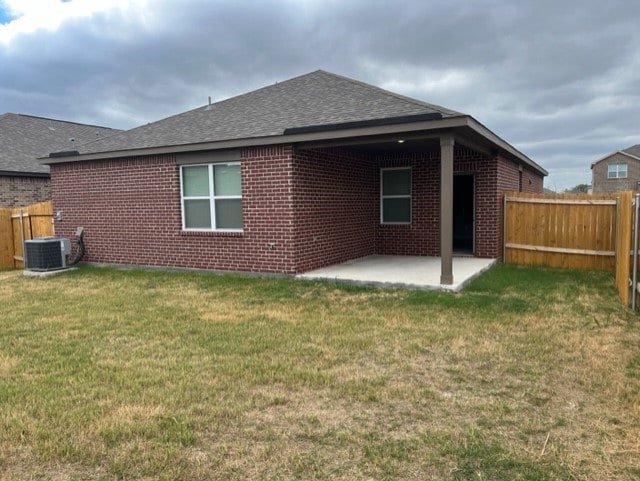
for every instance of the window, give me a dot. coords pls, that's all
(395, 196)
(617, 171)
(211, 197)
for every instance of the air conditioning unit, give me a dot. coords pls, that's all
(47, 253)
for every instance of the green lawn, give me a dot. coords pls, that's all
(105, 374)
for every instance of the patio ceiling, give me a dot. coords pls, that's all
(409, 142)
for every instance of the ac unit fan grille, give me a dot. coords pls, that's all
(44, 255)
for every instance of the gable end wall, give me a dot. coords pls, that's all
(601, 184)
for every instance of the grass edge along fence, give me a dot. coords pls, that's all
(576, 231)
(20, 224)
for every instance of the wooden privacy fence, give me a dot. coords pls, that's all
(580, 231)
(20, 224)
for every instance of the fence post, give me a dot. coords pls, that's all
(634, 277)
(504, 228)
(24, 251)
(623, 245)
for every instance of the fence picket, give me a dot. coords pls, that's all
(36, 223)
(6, 239)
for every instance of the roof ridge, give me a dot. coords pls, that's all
(264, 87)
(198, 108)
(631, 147)
(101, 138)
(626, 152)
(412, 100)
(314, 98)
(58, 120)
(227, 99)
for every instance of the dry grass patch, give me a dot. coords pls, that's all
(7, 364)
(530, 374)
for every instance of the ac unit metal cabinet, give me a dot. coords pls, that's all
(47, 253)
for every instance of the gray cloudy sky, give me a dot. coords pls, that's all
(560, 80)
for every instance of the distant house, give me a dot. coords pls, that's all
(23, 139)
(305, 173)
(617, 171)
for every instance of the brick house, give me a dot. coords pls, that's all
(308, 172)
(23, 139)
(617, 171)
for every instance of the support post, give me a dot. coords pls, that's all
(446, 209)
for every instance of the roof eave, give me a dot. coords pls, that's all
(15, 173)
(612, 154)
(504, 145)
(454, 122)
(449, 122)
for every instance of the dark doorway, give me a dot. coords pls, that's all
(463, 214)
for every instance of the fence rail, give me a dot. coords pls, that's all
(20, 224)
(572, 231)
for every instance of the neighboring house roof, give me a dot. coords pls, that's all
(315, 106)
(632, 152)
(25, 138)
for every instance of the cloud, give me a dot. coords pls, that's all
(32, 16)
(559, 81)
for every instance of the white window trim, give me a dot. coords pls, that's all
(211, 198)
(617, 171)
(409, 196)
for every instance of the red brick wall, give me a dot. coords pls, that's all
(301, 209)
(335, 200)
(492, 178)
(532, 182)
(130, 209)
(267, 189)
(484, 171)
(21, 191)
(422, 237)
(506, 178)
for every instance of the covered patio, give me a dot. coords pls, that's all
(414, 272)
(394, 204)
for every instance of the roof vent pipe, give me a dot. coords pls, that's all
(208, 107)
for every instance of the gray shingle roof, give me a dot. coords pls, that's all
(317, 98)
(24, 138)
(633, 150)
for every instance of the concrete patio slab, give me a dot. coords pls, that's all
(414, 272)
